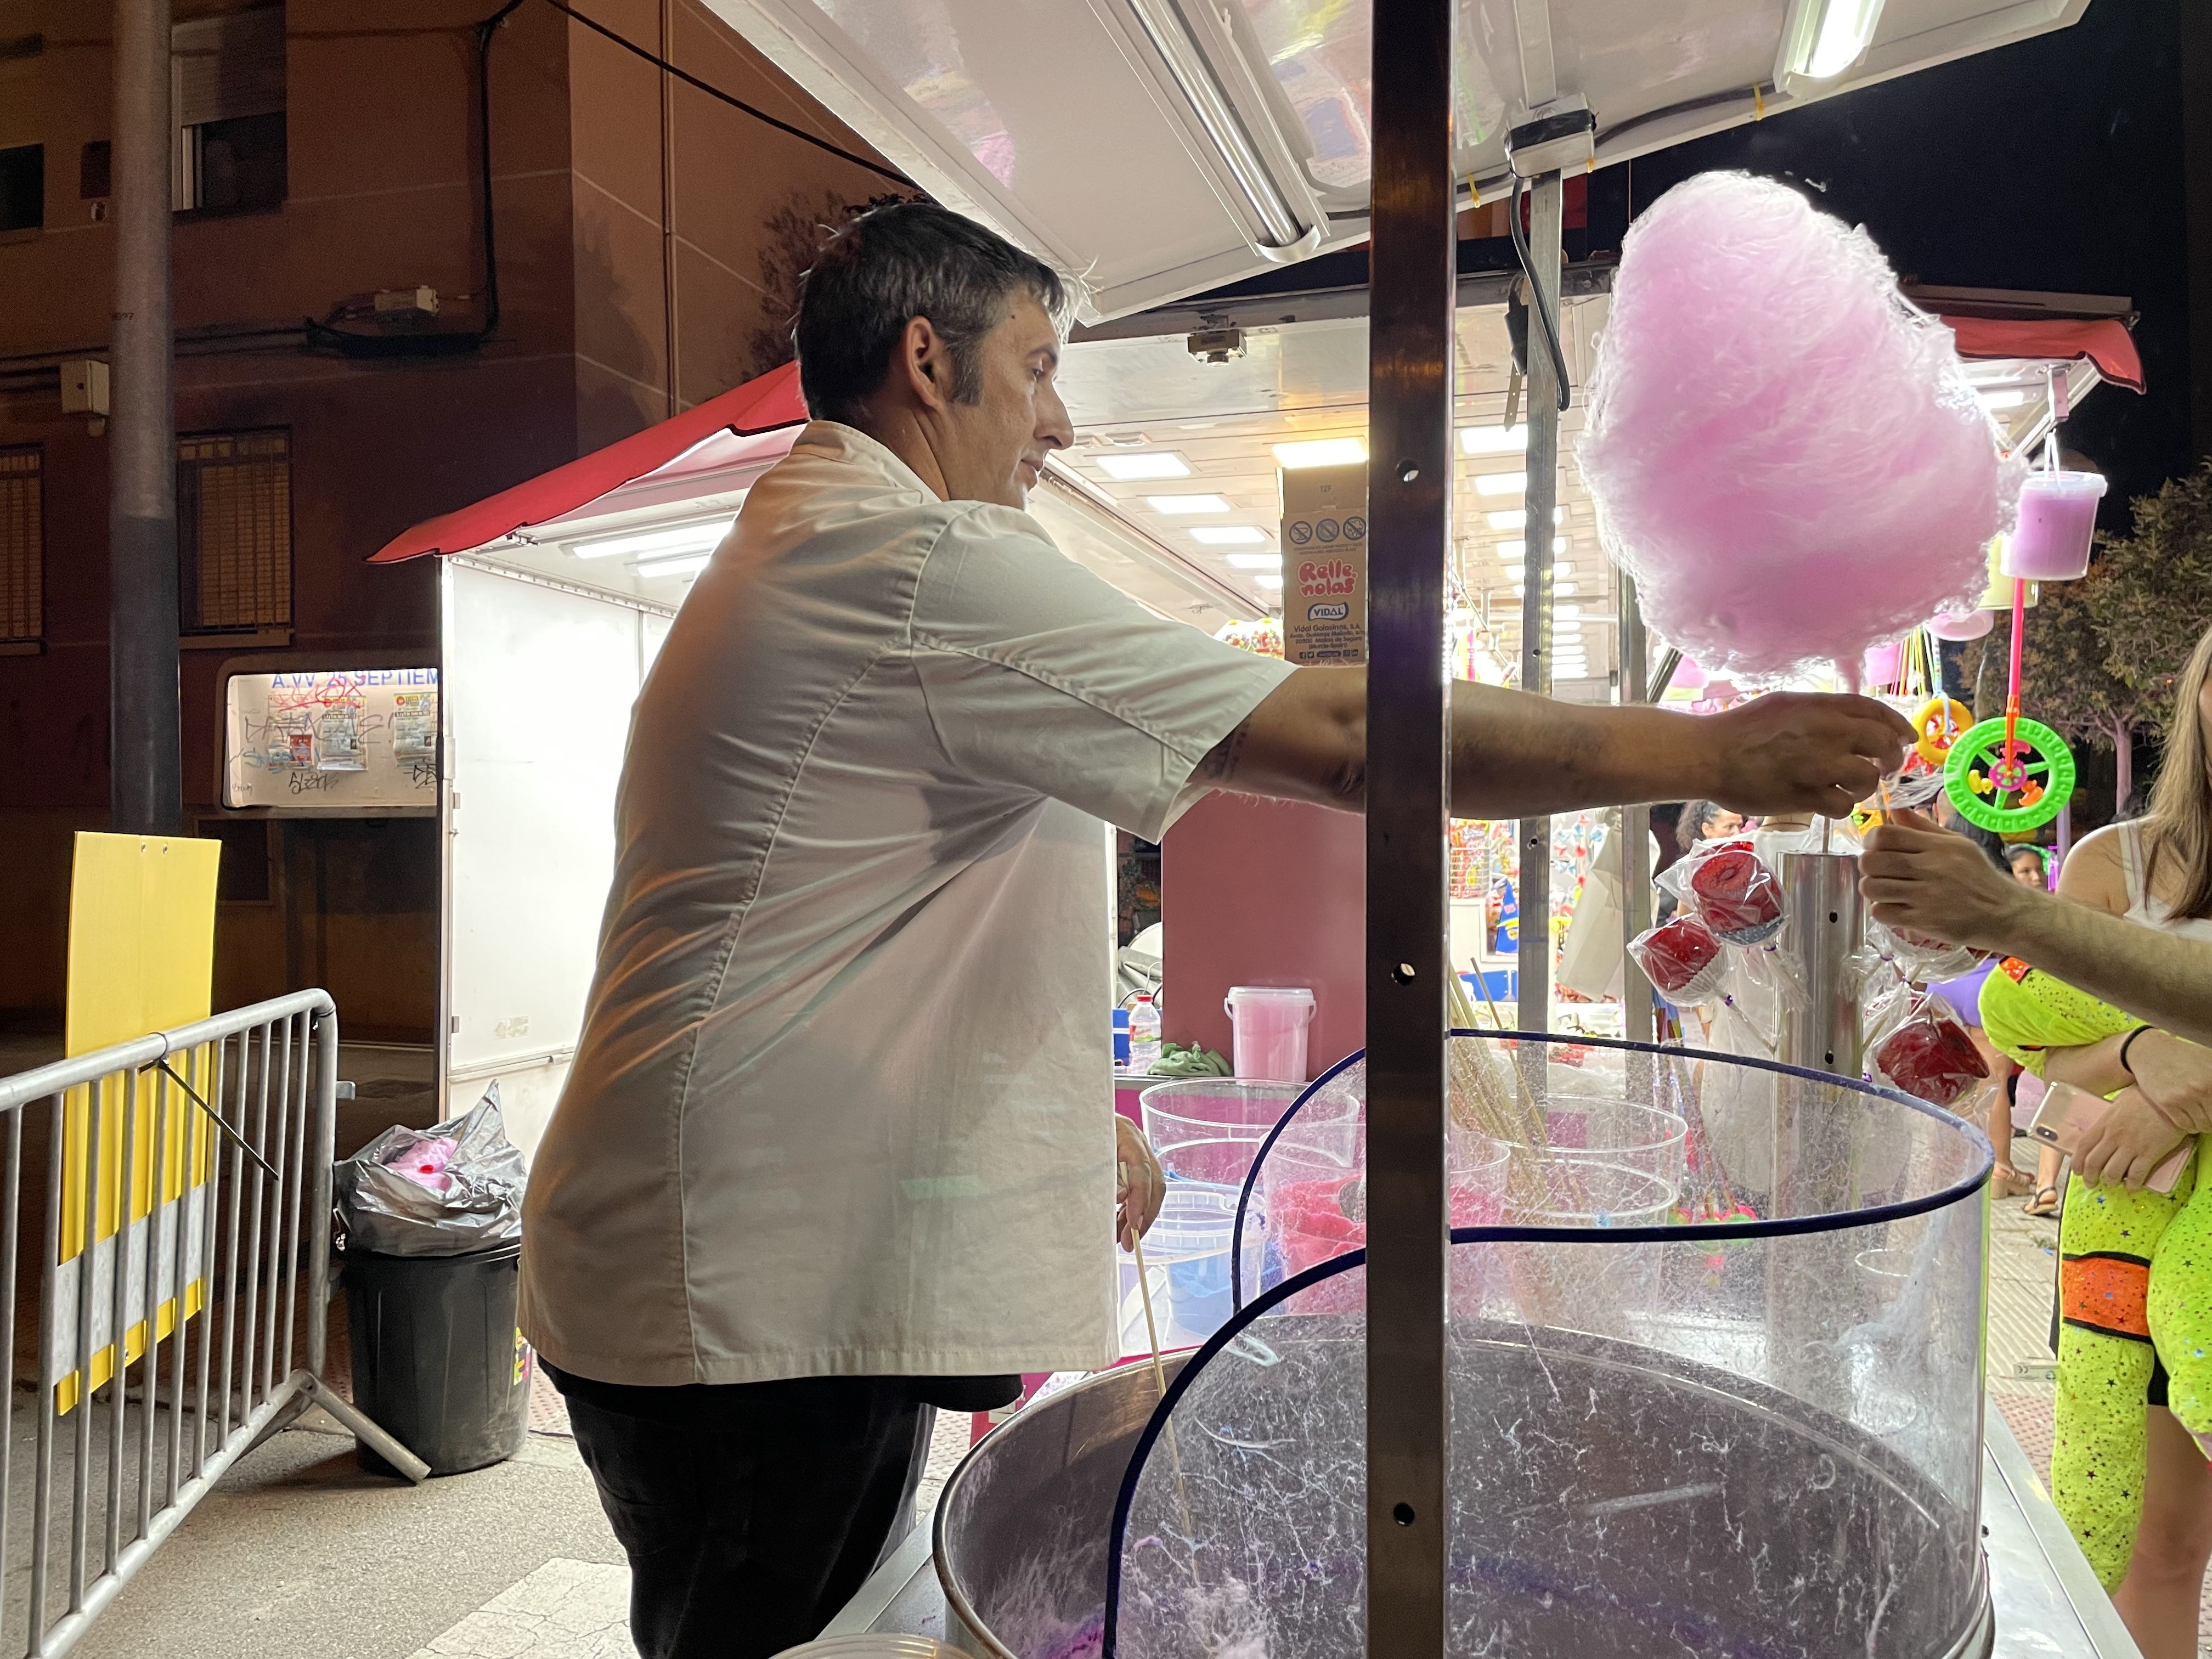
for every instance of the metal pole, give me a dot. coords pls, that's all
(1821, 896)
(1635, 835)
(1534, 1012)
(1410, 353)
(145, 765)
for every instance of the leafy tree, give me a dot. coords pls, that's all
(2152, 594)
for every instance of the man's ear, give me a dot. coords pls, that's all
(924, 363)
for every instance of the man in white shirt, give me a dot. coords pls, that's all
(838, 1145)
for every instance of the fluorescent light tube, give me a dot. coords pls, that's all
(1145, 463)
(1493, 440)
(1254, 561)
(1229, 535)
(1178, 505)
(1500, 483)
(1320, 451)
(663, 541)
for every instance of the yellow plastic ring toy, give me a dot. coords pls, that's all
(1941, 720)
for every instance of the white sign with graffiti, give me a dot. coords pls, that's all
(348, 740)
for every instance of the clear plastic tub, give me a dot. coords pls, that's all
(2057, 522)
(1206, 1129)
(1754, 1434)
(1188, 1257)
(1269, 1025)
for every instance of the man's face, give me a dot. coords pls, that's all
(994, 448)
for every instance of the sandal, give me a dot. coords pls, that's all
(2038, 1205)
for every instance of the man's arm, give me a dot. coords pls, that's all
(1515, 755)
(1920, 878)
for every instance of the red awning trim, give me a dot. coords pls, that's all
(698, 440)
(2104, 341)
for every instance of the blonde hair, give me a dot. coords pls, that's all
(2178, 824)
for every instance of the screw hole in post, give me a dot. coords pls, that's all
(1408, 472)
(1403, 1515)
(1403, 973)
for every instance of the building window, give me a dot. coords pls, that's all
(227, 95)
(23, 187)
(234, 531)
(22, 547)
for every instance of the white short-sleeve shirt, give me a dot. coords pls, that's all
(842, 1105)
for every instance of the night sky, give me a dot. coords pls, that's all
(2056, 164)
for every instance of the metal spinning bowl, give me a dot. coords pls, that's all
(1823, 1542)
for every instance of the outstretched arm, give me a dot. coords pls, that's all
(1918, 877)
(1514, 754)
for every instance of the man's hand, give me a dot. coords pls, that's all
(1142, 1189)
(1929, 881)
(2176, 1078)
(2129, 1142)
(1796, 751)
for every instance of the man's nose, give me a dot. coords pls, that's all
(1055, 428)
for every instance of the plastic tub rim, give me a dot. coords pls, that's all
(1244, 1317)
(1827, 1221)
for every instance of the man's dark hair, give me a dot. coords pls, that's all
(891, 265)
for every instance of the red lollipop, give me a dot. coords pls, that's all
(1682, 959)
(1737, 895)
(1930, 1056)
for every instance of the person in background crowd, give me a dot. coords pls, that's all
(1706, 820)
(2028, 868)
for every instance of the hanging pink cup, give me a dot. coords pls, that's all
(2057, 520)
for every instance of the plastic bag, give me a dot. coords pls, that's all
(1728, 887)
(451, 1189)
(1689, 967)
(1888, 953)
(1917, 1043)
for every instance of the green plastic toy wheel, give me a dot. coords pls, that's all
(2025, 795)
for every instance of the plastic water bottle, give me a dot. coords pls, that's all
(1143, 1034)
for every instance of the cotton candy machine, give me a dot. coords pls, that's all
(1742, 1424)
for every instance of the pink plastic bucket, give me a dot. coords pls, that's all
(2057, 518)
(1269, 1025)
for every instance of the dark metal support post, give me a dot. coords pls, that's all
(1636, 1008)
(145, 762)
(1409, 509)
(1542, 497)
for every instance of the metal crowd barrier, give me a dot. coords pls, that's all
(201, 1158)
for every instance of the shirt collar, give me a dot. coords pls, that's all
(833, 440)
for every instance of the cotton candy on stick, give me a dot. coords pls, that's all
(1782, 451)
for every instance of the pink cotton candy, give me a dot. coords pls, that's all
(1782, 452)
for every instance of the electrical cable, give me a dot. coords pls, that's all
(1545, 319)
(689, 80)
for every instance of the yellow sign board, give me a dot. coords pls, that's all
(141, 960)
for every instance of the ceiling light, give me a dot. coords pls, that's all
(1821, 38)
(1179, 505)
(699, 536)
(1500, 483)
(1146, 464)
(1321, 452)
(2002, 397)
(1229, 535)
(1269, 579)
(1492, 440)
(1520, 549)
(690, 566)
(1254, 561)
(1569, 612)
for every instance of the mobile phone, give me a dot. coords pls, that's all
(2068, 1114)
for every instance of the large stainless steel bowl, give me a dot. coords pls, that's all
(1022, 1530)
(1022, 1527)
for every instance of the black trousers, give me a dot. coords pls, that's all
(750, 1512)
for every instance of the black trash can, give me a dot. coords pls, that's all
(437, 1357)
